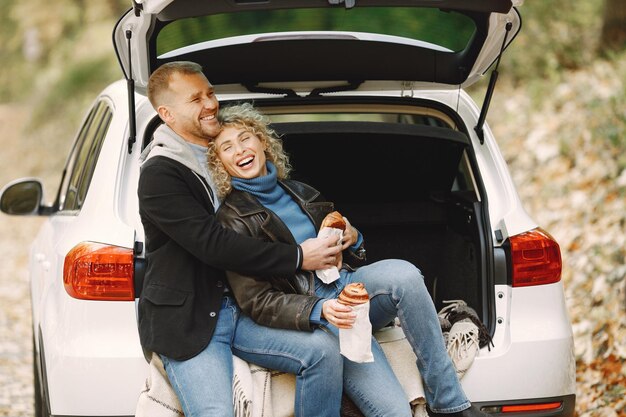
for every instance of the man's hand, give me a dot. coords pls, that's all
(337, 314)
(350, 235)
(320, 253)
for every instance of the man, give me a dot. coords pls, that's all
(184, 315)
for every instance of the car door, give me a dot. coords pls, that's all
(46, 263)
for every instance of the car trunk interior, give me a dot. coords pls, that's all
(408, 189)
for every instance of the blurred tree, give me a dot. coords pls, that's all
(613, 35)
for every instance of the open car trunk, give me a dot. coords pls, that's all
(406, 180)
(410, 190)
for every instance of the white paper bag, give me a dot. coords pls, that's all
(331, 274)
(356, 343)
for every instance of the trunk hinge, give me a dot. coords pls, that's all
(130, 84)
(492, 85)
(349, 3)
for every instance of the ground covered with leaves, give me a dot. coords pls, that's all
(565, 148)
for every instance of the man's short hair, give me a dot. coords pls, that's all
(160, 79)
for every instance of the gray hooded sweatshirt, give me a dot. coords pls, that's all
(168, 143)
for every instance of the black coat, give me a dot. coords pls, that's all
(186, 252)
(275, 302)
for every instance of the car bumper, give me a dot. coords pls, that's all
(533, 352)
(563, 406)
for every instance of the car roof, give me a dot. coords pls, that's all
(280, 54)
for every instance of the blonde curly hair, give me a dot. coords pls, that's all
(247, 117)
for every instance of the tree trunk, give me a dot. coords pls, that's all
(613, 37)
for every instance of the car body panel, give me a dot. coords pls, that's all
(82, 339)
(532, 332)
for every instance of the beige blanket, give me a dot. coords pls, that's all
(259, 392)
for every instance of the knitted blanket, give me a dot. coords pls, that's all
(260, 392)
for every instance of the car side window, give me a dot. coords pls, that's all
(83, 157)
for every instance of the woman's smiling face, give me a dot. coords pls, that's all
(241, 152)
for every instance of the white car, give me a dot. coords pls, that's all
(412, 163)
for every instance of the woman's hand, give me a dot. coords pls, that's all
(337, 314)
(350, 235)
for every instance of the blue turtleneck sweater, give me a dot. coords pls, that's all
(275, 198)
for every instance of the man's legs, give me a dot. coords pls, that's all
(204, 383)
(312, 356)
(396, 288)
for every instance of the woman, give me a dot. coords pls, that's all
(250, 169)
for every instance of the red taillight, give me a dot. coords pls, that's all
(94, 271)
(535, 259)
(531, 407)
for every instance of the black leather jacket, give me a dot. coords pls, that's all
(275, 302)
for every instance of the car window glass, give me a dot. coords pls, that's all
(71, 160)
(465, 180)
(413, 161)
(450, 30)
(81, 163)
(92, 157)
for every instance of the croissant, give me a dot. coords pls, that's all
(334, 220)
(354, 294)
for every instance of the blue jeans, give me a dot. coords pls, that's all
(397, 289)
(321, 371)
(204, 383)
(313, 357)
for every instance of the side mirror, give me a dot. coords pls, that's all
(22, 197)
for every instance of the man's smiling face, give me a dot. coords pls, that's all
(191, 108)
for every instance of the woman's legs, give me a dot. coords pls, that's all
(204, 383)
(312, 356)
(372, 386)
(397, 288)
